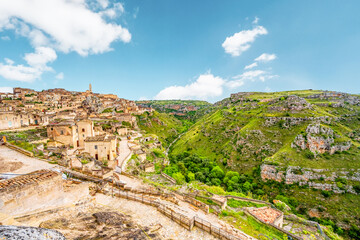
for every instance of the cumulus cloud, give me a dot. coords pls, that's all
(265, 57)
(68, 25)
(103, 3)
(115, 11)
(253, 75)
(241, 41)
(41, 57)
(6, 89)
(251, 66)
(59, 25)
(209, 86)
(206, 86)
(37, 65)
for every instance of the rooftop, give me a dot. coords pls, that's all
(30, 178)
(266, 214)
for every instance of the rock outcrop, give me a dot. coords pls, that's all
(320, 139)
(323, 179)
(20, 233)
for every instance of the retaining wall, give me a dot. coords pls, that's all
(19, 149)
(274, 226)
(168, 178)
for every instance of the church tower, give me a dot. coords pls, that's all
(90, 89)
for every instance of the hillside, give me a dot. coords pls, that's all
(189, 110)
(308, 141)
(166, 127)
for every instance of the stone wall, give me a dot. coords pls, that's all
(43, 189)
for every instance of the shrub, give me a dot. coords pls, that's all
(179, 178)
(326, 193)
(309, 154)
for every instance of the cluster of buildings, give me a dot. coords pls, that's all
(83, 121)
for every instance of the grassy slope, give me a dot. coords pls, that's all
(165, 126)
(215, 135)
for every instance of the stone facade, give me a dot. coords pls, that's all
(101, 147)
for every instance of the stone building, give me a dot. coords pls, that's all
(101, 147)
(12, 120)
(85, 129)
(64, 132)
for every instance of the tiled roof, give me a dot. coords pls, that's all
(31, 178)
(267, 214)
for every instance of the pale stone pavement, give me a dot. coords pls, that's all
(30, 164)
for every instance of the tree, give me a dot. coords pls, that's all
(246, 186)
(190, 177)
(180, 179)
(217, 172)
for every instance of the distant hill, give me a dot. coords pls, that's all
(182, 109)
(306, 142)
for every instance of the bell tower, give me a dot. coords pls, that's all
(90, 88)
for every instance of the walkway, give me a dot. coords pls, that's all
(124, 152)
(12, 161)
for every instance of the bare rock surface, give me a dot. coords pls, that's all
(29, 233)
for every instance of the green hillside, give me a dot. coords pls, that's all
(239, 131)
(163, 125)
(302, 145)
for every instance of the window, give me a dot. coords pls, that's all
(95, 146)
(61, 132)
(83, 130)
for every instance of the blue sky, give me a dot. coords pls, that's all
(167, 49)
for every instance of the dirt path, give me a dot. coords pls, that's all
(15, 162)
(148, 216)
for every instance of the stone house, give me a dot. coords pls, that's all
(85, 129)
(122, 131)
(11, 120)
(101, 147)
(63, 132)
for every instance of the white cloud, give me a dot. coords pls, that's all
(251, 66)
(65, 25)
(41, 57)
(9, 61)
(253, 75)
(241, 41)
(60, 76)
(205, 86)
(37, 65)
(115, 11)
(265, 57)
(6, 89)
(103, 3)
(19, 72)
(256, 20)
(58, 25)
(5, 38)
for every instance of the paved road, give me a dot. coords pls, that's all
(124, 151)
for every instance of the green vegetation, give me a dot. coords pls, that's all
(225, 145)
(165, 126)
